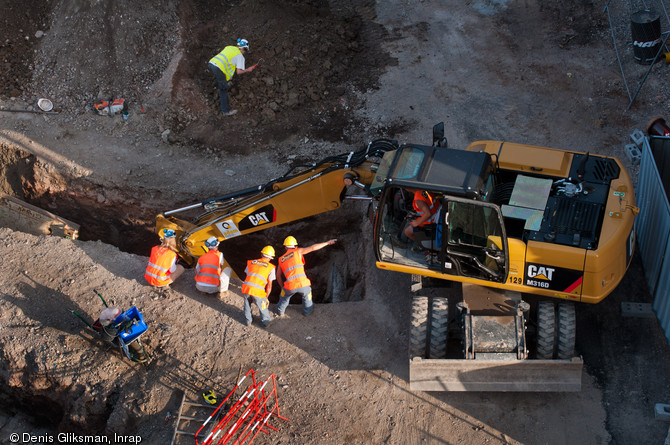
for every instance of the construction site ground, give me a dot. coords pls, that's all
(334, 75)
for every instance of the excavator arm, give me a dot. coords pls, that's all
(305, 190)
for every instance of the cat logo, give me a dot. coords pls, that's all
(540, 272)
(264, 215)
(258, 218)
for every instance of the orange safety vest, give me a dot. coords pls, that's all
(258, 272)
(293, 266)
(210, 268)
(158, 269)
(433, 204)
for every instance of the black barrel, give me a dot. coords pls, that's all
(645, 27)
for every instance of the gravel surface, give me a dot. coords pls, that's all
(334, 76)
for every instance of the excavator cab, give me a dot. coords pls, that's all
(465, 237)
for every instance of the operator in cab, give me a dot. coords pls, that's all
(426, 205)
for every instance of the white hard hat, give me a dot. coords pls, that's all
(243, 43)
(212, 242)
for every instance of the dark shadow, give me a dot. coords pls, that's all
(52, 308)
(626, 352)
(132, 268)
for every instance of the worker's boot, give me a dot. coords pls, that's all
(397, 242)
(230, 113)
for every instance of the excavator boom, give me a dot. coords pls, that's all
(304, 191)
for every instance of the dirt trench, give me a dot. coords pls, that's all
(119, 218)
(113, 216)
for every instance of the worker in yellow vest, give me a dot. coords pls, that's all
(224, 66)
(163, 269)
(292, 277)
(258, 285)
(210, 275)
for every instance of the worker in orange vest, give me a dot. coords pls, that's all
(210, 275)
(258, 285)
(163, 269)
(292, 277)
(426, 206)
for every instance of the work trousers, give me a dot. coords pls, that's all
(224, 280)
(307, 303)
(262, 304)
(223, 87)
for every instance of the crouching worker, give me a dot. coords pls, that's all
(163, 269)
(258, 285)
(210, 275)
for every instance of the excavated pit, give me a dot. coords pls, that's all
(317, 56)
(115, 217)
(337, 272)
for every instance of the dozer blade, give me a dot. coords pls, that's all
(495, 375)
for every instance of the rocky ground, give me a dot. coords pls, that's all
(333, 75)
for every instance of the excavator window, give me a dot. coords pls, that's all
(382, 172)
(475, 244)
(409, 163)
(407, 166)
(466, 239)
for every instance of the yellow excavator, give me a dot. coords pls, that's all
(519, 234)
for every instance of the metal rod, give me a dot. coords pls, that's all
(186, 433)
(176, 427)
(197, 419)
(30, 111)
(82, 319)
(103, 300)
(358, 197)
(616, 49)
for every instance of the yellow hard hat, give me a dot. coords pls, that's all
(268, 251)
(290, 242)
